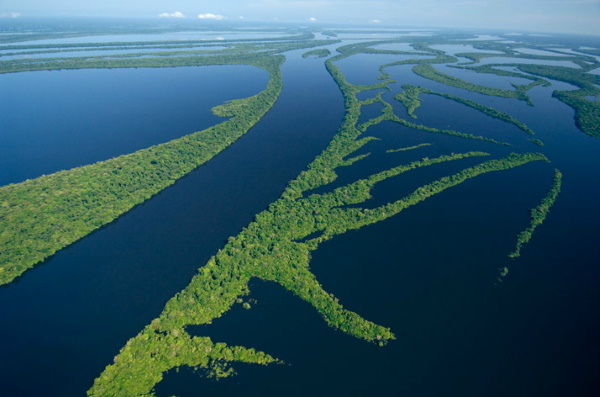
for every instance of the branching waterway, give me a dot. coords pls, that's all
(402, 216)
(127, 270)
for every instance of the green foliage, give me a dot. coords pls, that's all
(319, 53)
(408, 148)
(429, 72)
(536, 142)
(237, 53)
(410, 98)
(277, 247)
(538, 214)
(41, 216)
(587, 112)
(455, 133)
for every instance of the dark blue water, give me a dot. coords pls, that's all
(456, 116)
(428, 273)
(58, 120)
(493, 81)
(364, 68)
(63, 322)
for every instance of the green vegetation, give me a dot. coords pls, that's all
(538, 214)
(536, 142)
(319, 53)
(277, 247)
(403, 149)
(410, 99)
(587, 112)
(239, 54)
(505, 73)
(429, 72)
(487, 110)
(41, 216)
(457, 134)
(388, 112)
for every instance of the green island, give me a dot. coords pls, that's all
(318, 53)
(388, 111)
(587, 112)
(536, 141)
(237, 53)
(39, 217)
(43, 215)
(410, 99)
(388, 114)
(404, 149)
(538, 214)
(429, 72)
(277, 247)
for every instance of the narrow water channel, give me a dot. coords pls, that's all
(63, 322)
(430, 274)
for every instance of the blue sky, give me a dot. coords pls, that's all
(574, 16)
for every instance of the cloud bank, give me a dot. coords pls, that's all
(175, 14)
(211, 16)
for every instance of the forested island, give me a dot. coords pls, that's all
(393, 153)
(43, 215)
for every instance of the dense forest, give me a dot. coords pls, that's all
(277, 247)
(46, 214)
(41, 216)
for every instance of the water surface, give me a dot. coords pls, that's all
(65, 320)
(57, 120)
(429, 273)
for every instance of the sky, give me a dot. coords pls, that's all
(553, 16)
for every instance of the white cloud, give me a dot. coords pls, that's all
(312, 19)
(211, 16)
(9, 15)
(175, 14)
(376, 21)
